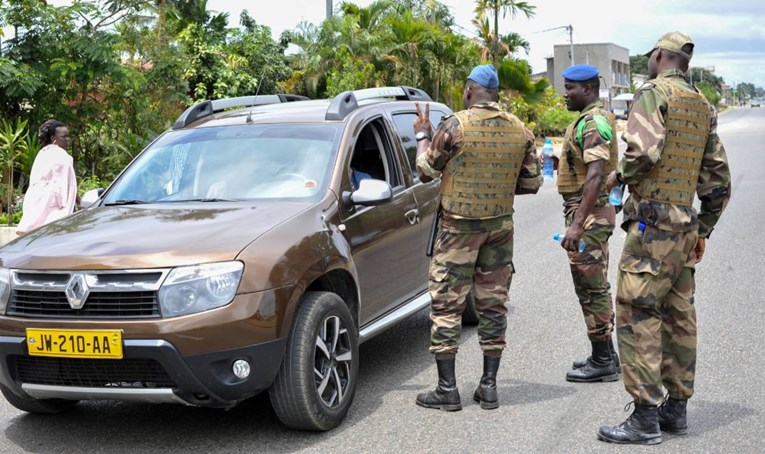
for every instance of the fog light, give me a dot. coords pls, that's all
(241, 368)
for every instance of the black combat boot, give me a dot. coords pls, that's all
(600, 367)
(641, 428)
(579, 363)
(486, 392)
(446, 396)
(672, 416)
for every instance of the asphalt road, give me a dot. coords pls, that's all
(540, 411)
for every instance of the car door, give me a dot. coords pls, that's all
(385, 237)
(426, 194)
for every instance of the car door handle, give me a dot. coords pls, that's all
(413, 216)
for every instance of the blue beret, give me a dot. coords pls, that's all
(580, 73)
(485, 75)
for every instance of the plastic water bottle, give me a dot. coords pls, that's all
(548, 165)
(616, 195)
(559, 238)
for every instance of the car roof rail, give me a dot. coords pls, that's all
(209, 107)
(347, 101)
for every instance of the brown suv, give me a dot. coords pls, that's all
(251, 247)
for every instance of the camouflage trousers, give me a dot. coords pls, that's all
(462, 260)
(656, 318)
(589, 270)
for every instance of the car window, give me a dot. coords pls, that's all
(373, 156)
(404, 125)
(233, 163)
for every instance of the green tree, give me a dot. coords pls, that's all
(494, 8)
(12, 145)
(639, 64)
(710, 92)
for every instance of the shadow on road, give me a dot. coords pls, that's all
(514, 392)
(705, 416)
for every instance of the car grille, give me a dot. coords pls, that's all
(91, 373)
(99, 295)
(32, 303)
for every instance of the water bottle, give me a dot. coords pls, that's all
(548, 165)
(616, 195)
(559, 238)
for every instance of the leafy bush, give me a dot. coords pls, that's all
(88, 183)
(16, 217)
(554, 121)
(549, 116)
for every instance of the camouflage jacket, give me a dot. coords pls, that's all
(447, 142)
(645, 134)
(595, 147)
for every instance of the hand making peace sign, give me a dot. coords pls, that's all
(422, 122)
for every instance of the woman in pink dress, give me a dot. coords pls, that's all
(52, 189)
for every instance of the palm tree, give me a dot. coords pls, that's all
(486, 39)
(494, 7)
(514, 42)
(412, 37)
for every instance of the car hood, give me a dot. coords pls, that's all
(146, 236)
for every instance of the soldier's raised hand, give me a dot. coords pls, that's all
(422, 122)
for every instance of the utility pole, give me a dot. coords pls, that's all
(329, 9)
(570, 29)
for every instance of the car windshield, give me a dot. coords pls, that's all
(287, 161)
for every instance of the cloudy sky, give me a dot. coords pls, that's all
(729, 34)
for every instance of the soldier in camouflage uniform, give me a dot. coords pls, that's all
(590, 152)
(485, 157)
(673, 153)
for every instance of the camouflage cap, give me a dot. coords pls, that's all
(674, 42)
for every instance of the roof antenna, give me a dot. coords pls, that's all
(249, 115)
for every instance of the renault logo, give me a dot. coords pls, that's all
(77, 291)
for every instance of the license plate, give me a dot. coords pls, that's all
(72, 343)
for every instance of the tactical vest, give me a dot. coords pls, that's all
(571, 167)
(480, 180)
(673, 180)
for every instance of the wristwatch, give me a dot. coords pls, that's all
(422, 136)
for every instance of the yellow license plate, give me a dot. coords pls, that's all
(72, 343)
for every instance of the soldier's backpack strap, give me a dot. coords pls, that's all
(604, 128)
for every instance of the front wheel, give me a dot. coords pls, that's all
(41, 406)
(317, 379)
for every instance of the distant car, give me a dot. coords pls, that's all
(754, 104)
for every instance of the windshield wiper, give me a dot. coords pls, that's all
(125, 202)
(207, 199)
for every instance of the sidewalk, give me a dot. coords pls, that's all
(7, 234)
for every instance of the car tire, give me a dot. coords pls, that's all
(40, 406)
(317, 379)
(470, 314)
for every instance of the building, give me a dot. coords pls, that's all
(612, 60)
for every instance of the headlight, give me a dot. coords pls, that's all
(192, 289)
(5, 288)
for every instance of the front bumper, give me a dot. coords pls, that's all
(201, 380)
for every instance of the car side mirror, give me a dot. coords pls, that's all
(90, 197)
(370, 192)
